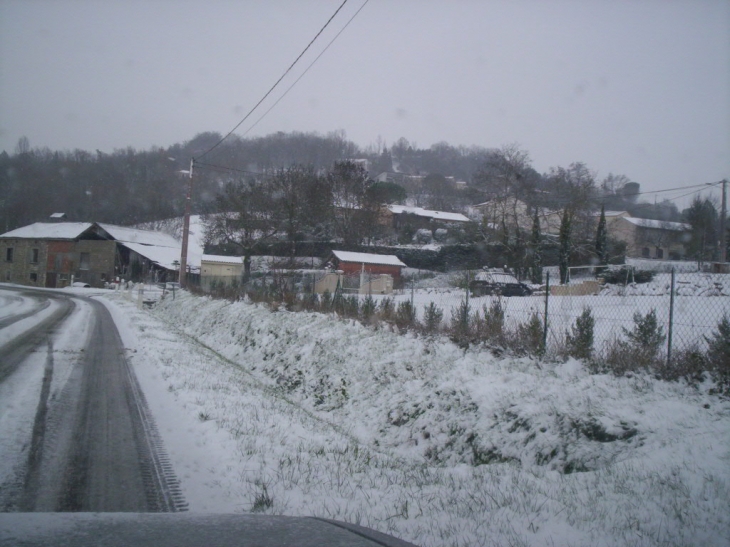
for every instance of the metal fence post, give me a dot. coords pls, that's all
(466, 300)
(468, 277)
(413, 291)
(671, 320)
(547, 299)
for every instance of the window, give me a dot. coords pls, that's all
(645, 252)
(34, 277)
(84, 262)
(9, 254)
(34, 256)
(103, 276)
(659, 252)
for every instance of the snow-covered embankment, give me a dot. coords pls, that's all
(305, 414)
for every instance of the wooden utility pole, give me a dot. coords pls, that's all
(723, 215)
(186, 229)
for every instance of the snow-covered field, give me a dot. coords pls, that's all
(701, 301)
(306, 414)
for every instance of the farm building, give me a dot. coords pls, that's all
(56, 254)
(220, 270)
(398, 215)
(360, 272)
(351, 263)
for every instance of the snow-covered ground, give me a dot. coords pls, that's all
(306, 414)
(701, 301)
(663, 265)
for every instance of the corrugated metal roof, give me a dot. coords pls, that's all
(158, 247)
(143, 237)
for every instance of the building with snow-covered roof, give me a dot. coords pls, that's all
(515, 213)
(364, 273)
(427, 214)
(220, 270)
(355, 263)
(649, 238)
(56, 254)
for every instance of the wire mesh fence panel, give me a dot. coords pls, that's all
(627, 303)
(617, 305)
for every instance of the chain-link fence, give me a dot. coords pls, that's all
(620, 315)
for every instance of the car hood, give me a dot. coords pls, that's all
(184, 530)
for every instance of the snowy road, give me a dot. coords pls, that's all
(75, 432)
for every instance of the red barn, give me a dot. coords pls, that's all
(354, 263)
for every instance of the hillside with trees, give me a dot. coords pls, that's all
(307, 187)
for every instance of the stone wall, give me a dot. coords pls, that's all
(44, 263)
(27, 266)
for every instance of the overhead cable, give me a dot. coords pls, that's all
(273, 86)
(223, 167)
(306, 70)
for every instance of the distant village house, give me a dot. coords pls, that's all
(648, 238)
(360, 272)
(216, 270)
(56, 254)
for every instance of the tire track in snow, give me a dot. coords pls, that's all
(94, 445)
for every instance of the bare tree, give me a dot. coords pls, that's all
(295, 200)
(23, 146)
(573, 189)
(243, 220)
(613, 184)
(355, 212)
(507, 183)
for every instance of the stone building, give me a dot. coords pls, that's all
(648, 238)
(56, 254)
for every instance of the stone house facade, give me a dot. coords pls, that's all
(648, 238)
(57, 257)
(515, 213)
(56, 254)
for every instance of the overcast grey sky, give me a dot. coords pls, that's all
(640, 88)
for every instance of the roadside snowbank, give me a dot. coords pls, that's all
(305, 414)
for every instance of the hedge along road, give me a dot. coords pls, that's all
(75, 431)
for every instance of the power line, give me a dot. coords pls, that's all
(701, 186)
(684, 195)
(214, 166)
(306, 70)
(274, 86)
